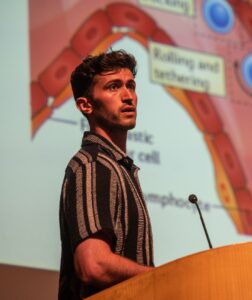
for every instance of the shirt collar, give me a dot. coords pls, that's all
(110, 147)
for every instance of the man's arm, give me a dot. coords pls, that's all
(98, 266)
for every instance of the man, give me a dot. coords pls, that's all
(105, 228)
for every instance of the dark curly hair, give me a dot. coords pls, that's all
(82, 78)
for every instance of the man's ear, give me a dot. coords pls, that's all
(84, 105)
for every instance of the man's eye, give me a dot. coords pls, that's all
(132, 87)
(113, 87)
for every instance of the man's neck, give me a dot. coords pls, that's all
(118, 137)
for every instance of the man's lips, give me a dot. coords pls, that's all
(128, 109)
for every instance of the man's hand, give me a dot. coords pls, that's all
(98, 266)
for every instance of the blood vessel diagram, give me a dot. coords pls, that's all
(216, 22)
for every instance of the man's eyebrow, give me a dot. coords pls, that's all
(119, 81)
(131, 81)
(112, 81)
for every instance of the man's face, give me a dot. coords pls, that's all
(114, 100)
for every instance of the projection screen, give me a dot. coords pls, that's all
(194, 86)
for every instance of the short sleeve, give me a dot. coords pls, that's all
(90, 199)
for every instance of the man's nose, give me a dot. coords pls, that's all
(126, 94)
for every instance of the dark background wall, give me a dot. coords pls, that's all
(27, 283)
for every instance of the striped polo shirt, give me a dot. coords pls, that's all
(101, 192)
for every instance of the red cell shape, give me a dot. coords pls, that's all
(57, 75)
(244, 201)
(38, 98)
(124, 14)
(206, 112)
(160, 36)
(234, 2)
(91, 33)
(229, 160)
(244, 12)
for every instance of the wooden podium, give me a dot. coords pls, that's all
(218, 274)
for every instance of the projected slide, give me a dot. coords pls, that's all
(194, 86)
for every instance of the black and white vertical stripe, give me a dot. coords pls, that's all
(101, 191)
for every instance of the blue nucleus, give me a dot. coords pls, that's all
(246, 70)
(218, 15)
